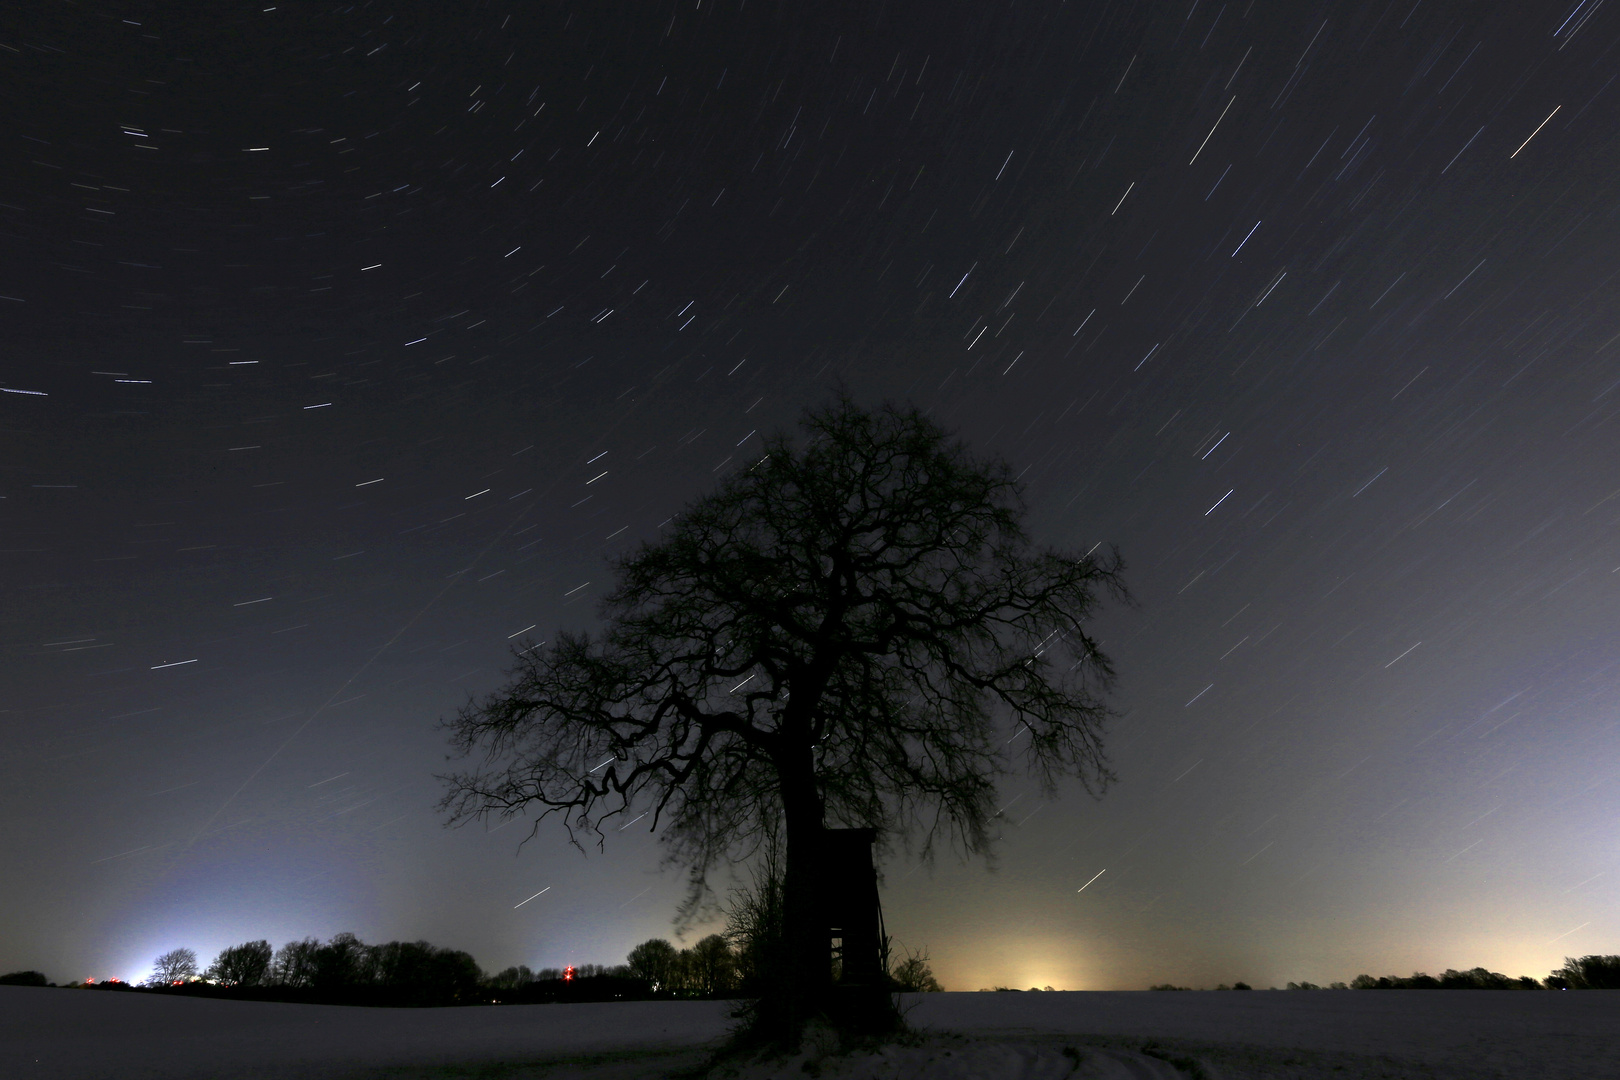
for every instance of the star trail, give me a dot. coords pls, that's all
(341, 345)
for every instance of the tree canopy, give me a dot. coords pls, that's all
(871, 599)
(176, 965)
(247, 964)
(852, 631)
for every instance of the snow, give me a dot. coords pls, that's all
(1379, 1021)
(1546, 1035)
(94, 1035)
(1541, 1034)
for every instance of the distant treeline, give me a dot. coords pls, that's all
(347, 971)
(1585, 973)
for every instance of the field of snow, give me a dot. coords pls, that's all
(77, 1035)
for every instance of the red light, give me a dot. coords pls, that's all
(568, 973)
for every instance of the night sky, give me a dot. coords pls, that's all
(342, 345)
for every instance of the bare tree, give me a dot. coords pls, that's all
(754, 919)
(242, 965)
(914, 975)
(513, 978)
(294, 964)
(846, 631)
(176, 965)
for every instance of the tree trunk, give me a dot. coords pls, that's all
(807, 970)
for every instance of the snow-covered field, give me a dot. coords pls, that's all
(75, 1035)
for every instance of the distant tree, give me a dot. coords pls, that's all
(340, 962)
(398, 963)
(242, 965)
(913, 975)
(513, 978)
(1451, 979)
(1241, 986)
(588, 971)
(1162, 986)
(176, 965)
(652, 960)
(848, 630)
(1474, 979)
(23, 978)
(294, 964)
(714, 967)
(1303, 986)
(455, 977)
(407, 972)
(1590, 972)
(682, 975)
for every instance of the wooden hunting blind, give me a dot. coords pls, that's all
(852, 914)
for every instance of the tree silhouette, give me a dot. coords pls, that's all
(654, 961)
(340, 962)
(848, 631)
(713, 967)
(294, 964)
(914, 975)
(24, 978)
(1451, 979)
(513, 978)
(242, 965)
(176, 965)
(754, 918)
(1592, 972)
